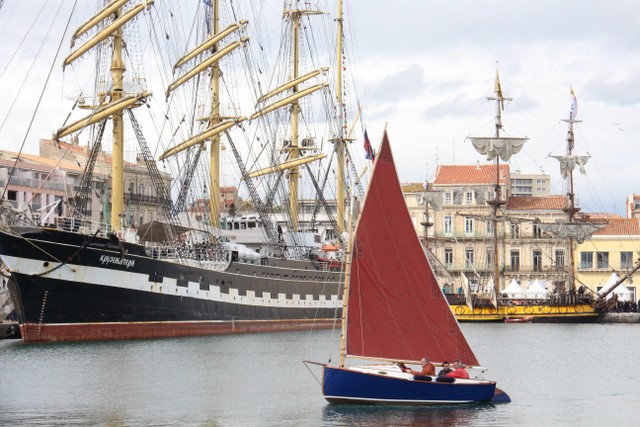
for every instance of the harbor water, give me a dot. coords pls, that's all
(556, 375)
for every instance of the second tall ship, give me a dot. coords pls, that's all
(492, 296)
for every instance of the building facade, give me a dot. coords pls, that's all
(458, 227)
(530, 185)
(614, 247)
(45, 186)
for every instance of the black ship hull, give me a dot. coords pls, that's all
(72, 287)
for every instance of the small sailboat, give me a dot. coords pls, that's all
(394, 311)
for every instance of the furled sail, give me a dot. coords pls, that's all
(396, 309)
(569, 163)
(578, 232)
(503, 147)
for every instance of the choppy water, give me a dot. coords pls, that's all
(557, 375)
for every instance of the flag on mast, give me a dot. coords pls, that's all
(574, 105)
(498, 91)
(370, 154)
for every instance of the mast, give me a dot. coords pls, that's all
(346, 290)
(117, 163)
(497, 147)
(294, 147)
(340, 141)
(214, 119)
(294, 152)
(571, 209)
(110, 19)
(497, 202)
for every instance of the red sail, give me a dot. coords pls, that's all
(396, 309)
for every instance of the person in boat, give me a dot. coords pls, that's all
(446, 368)
(428, 368)
(460, 371)
(403, 367)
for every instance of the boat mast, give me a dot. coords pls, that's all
(294, 152)
(110, 19)
(497, 202)
(117, 163)
(571, 209)
(345, 291)
(214, 119)
(340, 140)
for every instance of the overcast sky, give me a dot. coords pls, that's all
(425, 69)
(428, 67)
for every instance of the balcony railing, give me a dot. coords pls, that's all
(37, 183)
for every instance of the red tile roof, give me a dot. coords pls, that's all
(469, 174)
(538, 203)
(620, 227)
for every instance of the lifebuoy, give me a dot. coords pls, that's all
(511, 310)
(477, 310)
(578, 308)
(528, 309)
(459, 309)
(546, 309)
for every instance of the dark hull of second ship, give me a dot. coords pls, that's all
(105, 290)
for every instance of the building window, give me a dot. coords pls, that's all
(586, 260)
(537, 260)
(626, 260)
(489, 258)
(537, 231)
(602, 258)
(489, 228)
(448, 225)
(468, 258)
(448, 197)
(515, 231)
(448, 257)
(468, 196)
(559, 259)
(468, 226)
(515, 260)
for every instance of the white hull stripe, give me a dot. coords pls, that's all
(140, 282)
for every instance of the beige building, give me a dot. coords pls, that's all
(460, 231)
(531, 185)
(615, 247)
(55, 175)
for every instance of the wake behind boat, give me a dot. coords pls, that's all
(395, 311)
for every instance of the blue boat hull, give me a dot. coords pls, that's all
(348, 386)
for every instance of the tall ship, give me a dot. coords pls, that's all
(493, 293)
(75, 278)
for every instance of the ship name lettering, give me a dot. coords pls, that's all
(107, 259)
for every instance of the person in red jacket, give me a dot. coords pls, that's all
(427, 368)
(458, 372)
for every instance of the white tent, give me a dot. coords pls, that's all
(623, 293)
(613, 279)
(536, 290)
(513, 290)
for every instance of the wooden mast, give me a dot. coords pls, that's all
(340, 140)
(571, 209)
(497, 202)
(294, 151)
(117, 162)
(214, 119)
(118, 101)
